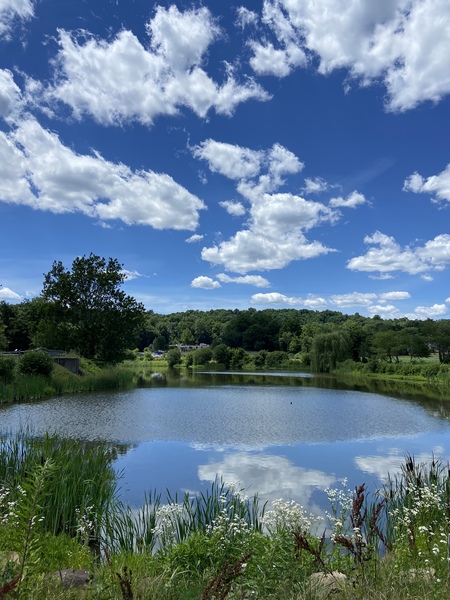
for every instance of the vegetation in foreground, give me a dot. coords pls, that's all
(59, 510)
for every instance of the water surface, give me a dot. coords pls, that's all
(281, 435)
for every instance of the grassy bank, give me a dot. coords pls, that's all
(62, 381)
(59, 510)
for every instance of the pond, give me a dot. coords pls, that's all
(282, 435)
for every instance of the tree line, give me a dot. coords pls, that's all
(84, 309)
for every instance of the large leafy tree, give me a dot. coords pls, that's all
(87, 311)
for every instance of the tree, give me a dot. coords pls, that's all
(328, 349)
(2, 336)
(222, 354)
(173, 357)
(36, 362)
(88, 311)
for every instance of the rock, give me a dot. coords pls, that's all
(424, 574)
(71, 578)
(327, 583)
(9, 557)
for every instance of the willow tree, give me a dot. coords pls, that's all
(328, 349)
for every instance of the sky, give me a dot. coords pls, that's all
(263, 153)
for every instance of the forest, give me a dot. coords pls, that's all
(321, 339)
(84, 310)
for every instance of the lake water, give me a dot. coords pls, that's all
(282, 435)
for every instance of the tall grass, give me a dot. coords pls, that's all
(82, 484)
(159, 526)
(62, 381)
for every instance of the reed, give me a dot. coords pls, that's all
(80, 489)
(158, 526)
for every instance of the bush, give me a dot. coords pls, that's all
(276, 359)
(7, 366)
(36, 362)
(173, 357)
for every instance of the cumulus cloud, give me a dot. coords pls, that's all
(10, 94)
(251, 250)
(387, 256)
(8, 295)
(236, 209)
(312, 302)
(245, 17)
(277, 221)
(436, 185)
(11, 11)
(255, 280)
(428, 312)
(387, 311)
(394, 296)
(37, 170)
(403, 44)
(205, 283)
(352, 201)
(315, 186)
(229, 160)
(194, 238)
(368, 301)
(353, 299)
(123, 80)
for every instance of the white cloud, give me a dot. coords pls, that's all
(37, 170)
(315, 186)
(368, 301)
(352, 201)
(402, 43)
(194, 238)
(236, 209)
(267, 60)
(10, 95)
(123, 80)
(353, 299)
(241, 164)
(10, 10)
(387, 311)
(245, 17)
(274, 236)
(130, 275)
(231, 161)
(205, 283)
(255, 280)
(437, 185)
(251, 250)
(312, 302)
(274, 298)
(428, 312)
(8, 294)
(394, 296)
(386, 256)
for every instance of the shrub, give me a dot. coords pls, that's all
(276, 359)
(7, 366)
(173, 357)
(36, 362)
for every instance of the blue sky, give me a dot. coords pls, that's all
(274, 153)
